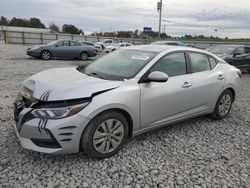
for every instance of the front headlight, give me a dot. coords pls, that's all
(26, 93)
(58, 113)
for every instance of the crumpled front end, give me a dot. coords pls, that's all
(54, 136)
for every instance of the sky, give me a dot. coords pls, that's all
(230, 18)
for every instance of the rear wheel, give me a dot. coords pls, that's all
(105, 135)
(45, 55)
(223, 105)
(84, 56)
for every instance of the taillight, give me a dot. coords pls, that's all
(240, 74)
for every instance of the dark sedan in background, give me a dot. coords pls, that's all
(62, 49)
(236, 55)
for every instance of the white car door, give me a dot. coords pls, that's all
(165, 101)
(207, 81)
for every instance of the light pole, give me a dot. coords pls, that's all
(159, 8)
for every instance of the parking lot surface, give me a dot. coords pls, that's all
(196, 153)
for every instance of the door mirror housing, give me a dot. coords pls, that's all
(157, 76)
(236, 54)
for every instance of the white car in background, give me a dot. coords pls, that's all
(106, 42)
(98, 47)
(116, 46)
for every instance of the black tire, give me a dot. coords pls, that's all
(45, 55)
(217, 114)
(87, 139)
(84, 56)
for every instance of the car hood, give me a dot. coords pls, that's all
(35, 46)
(65, 84)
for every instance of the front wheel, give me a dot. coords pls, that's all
(84, 56)
(105, 135)
(45, 55)
(223, 105)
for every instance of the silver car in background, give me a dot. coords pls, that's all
(128, 92)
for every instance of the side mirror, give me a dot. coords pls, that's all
(157, 76)
(56, 45)
(236, 54)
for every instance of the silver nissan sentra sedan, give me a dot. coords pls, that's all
(96, 108)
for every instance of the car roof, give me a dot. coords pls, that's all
(167, 41)
(161, 48)
(230, 45)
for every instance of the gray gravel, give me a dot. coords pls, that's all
(195, 153)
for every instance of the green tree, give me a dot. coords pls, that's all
(54, 27)
(71, 29)
(36, 23)
(18, 22)
(3, 21)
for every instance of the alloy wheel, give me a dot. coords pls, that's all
(45, 55)
(84, 56)
(108, 136)
(225, 104)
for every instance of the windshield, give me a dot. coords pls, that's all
(222, 50)
(53, 42)
(120, 64)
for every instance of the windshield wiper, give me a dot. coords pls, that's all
(95, 75)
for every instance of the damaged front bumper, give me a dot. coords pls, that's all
(53, 136)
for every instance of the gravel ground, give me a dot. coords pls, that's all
(195, 153)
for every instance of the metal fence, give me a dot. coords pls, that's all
(16, 37)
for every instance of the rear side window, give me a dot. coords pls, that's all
(199, 61)
(213, 62)
(173, 64)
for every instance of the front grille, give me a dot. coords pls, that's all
(46, 143)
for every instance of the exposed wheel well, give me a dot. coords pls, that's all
(84, 52)
(233, 92)
(46, 51)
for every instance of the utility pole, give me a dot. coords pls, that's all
(159, 8)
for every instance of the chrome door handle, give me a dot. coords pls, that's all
(186, 85)
(220, 77)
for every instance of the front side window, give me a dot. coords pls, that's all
(240, 50)
(199, 62)
(63, 43)
(173, 64)
(74, 43)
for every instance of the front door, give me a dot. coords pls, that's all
(162, 102)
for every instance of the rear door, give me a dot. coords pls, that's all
(165, 101)
(207, 81)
